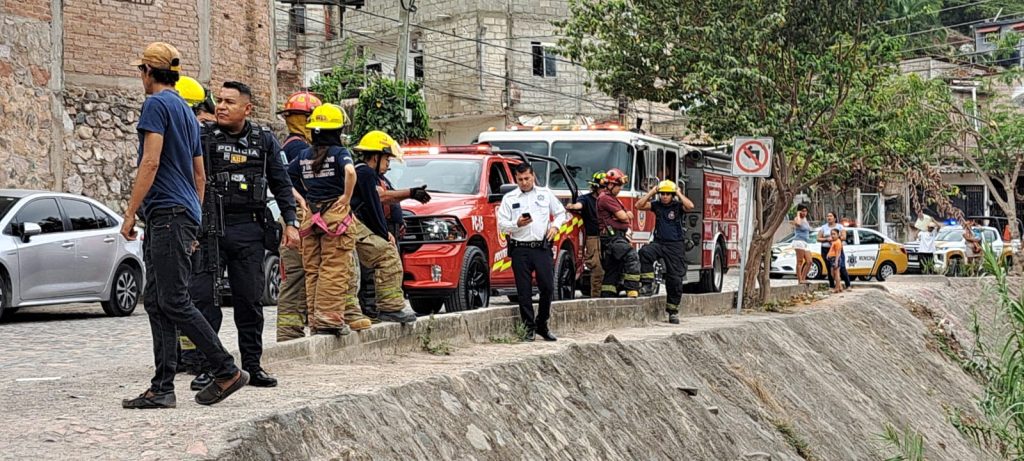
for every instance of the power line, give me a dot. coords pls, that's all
(936, 12)
(968, 23)
(481, 71)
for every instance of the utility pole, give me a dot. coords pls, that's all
(402, 66)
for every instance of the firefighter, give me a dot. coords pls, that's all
(291, 303)
(244, 161)
(618, 257)
(325, 175)
(197, 97)
(587, 205)
(375, 245)
(668, 245)
(390, 198)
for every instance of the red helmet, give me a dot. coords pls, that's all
(302, 102)
(615, 176)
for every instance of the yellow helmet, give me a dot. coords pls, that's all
(667, 187)
(190, 90)
(327, 117)
(379, 141)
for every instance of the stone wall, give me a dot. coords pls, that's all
(25, 118)
(101, 143)
(240, 49)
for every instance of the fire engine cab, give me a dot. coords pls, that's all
(452, 253)
(712, 228)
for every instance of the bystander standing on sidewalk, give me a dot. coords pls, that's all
(168, 191)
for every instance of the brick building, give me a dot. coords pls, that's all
(70, 99)
(481, 63)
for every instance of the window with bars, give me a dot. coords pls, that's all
(298, 14)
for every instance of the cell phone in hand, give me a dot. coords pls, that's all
(526, 215)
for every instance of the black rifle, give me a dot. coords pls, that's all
(213, 220)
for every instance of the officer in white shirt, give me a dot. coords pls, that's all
(531, 216)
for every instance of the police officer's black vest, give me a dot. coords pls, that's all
(238, 167)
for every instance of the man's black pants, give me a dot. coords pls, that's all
(527, 262)
(672, 256)
(620, 263)
(242, 253)
(167, 250)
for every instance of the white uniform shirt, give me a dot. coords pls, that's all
(540, 203)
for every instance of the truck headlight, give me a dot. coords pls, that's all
(443, 228)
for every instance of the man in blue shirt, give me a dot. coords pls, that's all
(168, 191)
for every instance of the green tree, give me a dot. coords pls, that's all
(805, 72)
(343, 81)
(382, 107)
(992, 144)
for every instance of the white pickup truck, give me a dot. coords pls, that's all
(950, 248)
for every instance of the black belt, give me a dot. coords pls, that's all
(533, 244)
(241, 218)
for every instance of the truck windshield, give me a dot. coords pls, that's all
(950, 235)
(440, 175)
(584, 158)
(540, 169)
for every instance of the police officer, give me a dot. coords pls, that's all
(668, 245)
(291, 303)
(587, 205)
(618, 257)
(242, 159)
(375, 244)
(531, 216)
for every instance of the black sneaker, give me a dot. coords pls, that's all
(673, 318)
(258, 377)
(150, 401)
(204, 379)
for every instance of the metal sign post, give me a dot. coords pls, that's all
(751, 158)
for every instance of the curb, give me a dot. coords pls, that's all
(583, 315)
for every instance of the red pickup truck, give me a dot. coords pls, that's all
(452, 253)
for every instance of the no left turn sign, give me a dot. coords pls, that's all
(752, 157)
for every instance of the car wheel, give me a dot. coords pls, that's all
(124, 292)
(885, 271)
(863, 278)
(956, 267)
(426, 306)
(5, 300)
(815, 272)
(474, 290)
(711, 280)
(272, 280)
(565, 277)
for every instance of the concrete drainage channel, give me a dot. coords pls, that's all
(818, 384)
(477, 326)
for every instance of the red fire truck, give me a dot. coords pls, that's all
(713, 231)
(452, 252)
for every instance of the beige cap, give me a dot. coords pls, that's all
(160, 55)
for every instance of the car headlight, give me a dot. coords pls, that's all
(443, 228)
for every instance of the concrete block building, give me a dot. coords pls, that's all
(69, 100)
(482, 63)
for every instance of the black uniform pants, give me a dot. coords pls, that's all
(526, 262)
(620, 263)
(242, 253)
(367, 291)
(167, 250)
(671, 254)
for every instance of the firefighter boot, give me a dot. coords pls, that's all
(673, 313)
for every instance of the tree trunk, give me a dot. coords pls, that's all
(756, 274)
(1018, 257)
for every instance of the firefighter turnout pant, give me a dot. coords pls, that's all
(242, 253)
(671, 254)
(330, 283)
(621, 264)
(291, 303)
(380, 256)
(592, 253)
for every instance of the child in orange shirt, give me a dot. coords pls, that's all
(834, 253)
